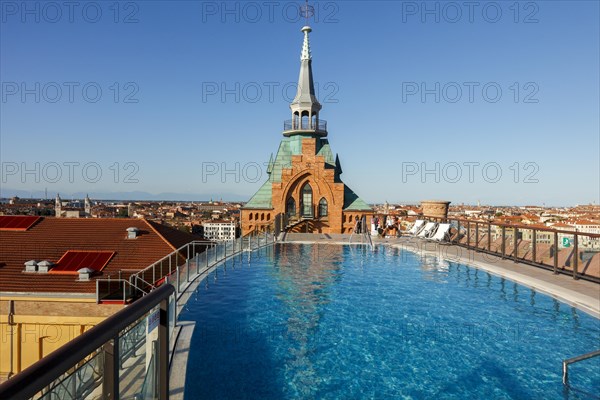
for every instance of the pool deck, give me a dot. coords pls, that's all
(581, 294)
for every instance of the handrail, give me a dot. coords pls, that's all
(518, 226)
(510, 245)
(572, 360)
(364, 233)
(45, 371)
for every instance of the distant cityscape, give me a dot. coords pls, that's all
(220, 219)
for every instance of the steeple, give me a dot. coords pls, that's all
(305, 106)
(58, 206)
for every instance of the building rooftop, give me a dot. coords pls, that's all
(51, 238)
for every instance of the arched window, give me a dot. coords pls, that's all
(323, 207)
(290, 207)
(305, 120)
(307, 203)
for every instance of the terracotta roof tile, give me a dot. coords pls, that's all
(50, 238)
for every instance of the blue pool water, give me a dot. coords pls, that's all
(340, 322)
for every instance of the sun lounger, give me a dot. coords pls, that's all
(428, 230)
(416, 228)
(442, 234)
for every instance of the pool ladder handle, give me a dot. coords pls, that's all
(574, 360)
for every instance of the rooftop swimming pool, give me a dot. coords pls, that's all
(298, 321)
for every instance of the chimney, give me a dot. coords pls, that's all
(31, 266)
(132, 233)
(85, 274)
(44, 266)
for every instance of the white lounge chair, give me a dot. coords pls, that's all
(442, 234)
(416, 228)
(428, 230)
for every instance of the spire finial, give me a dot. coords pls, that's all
(306, 46)
(306, 11)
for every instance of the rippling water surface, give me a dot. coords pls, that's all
(340, 322)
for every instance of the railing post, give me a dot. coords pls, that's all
(489, 238)
(110, 379)
(197, 263)
(163, 350)
(503, 241)
(555, 252)
(534, 242)
(516, 243)
(177, 281)
(575, 255)
(476, 235)
(468, 233)
(187, 270)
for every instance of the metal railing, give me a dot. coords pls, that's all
(567, 362)
(91, 365)
(365, 235)
(572, 253)
(305, 125)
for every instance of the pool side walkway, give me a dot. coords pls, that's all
(581, 294)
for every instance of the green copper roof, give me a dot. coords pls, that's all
(354, 203)
(262, 198)
(289, 147)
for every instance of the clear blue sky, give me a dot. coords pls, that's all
(371, 61)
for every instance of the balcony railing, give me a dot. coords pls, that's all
(109, 361)
(305, 125)
(561, 251)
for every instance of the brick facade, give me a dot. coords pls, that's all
(307, 167)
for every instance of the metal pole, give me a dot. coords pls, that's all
(163, 351)
(489, 238)
(534, 242)
(556, 252)
(187, 270)
(197, 263)
(516, 243)
(575, 255)
(110, 380)
(476, 235)
(177, 281)
(503, 241)
(468, 233)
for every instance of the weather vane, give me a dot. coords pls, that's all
(307, 11)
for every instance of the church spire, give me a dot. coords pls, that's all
(305, 106)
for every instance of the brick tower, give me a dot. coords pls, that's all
(304, 177)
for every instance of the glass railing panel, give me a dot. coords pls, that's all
(83, 383)
(134, 355)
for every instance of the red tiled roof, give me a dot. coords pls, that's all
(50, 238)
